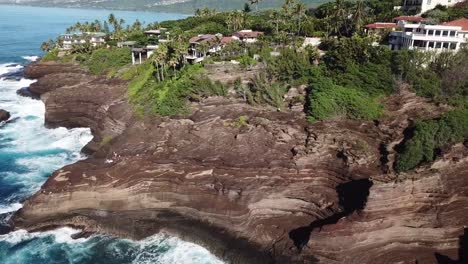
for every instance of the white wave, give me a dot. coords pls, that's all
(177, 251)
(9, 68)
(35, 150)
(10, 208)
(31, 58)
(61, 235)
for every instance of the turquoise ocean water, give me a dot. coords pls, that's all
(29, 152)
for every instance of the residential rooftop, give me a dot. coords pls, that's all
(462, 22)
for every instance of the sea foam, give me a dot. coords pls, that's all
(31, 58)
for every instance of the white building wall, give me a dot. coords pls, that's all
(431, 4)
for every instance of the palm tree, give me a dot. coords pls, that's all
(235, 20)
(340, 17)
(359, 15)
(255, 2)
(275, 16)
(112, 20)
(160, 57)
(204, 47)
(300, 12)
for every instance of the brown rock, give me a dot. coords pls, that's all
(4, 115)
(276, 190)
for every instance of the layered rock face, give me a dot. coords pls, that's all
(274, 189)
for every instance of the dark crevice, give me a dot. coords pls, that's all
(352, 197)
(462, 251)
(384, 157)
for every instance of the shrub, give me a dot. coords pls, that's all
(327, 100)
(52, 55)
(170, 97)
(429, 136)
(103, 60)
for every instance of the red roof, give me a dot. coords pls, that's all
(225, 40)
(382, 25)
(462, 22)
(202, 38)
(248, 34)
(410, 18)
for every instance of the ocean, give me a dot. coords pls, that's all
(29, 152)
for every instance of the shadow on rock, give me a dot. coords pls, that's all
(352, 197)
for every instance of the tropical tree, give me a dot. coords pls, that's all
(276, 18)
(359, 15)
(247, 8)
(299, 12)
(255, 2)
(235, 20)
(48, 45)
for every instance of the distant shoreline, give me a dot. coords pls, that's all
(94, 8)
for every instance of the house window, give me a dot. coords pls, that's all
(431, 32)
(453, 46)
(446, 45)
(431, 44)
(438, 45)
(453, 33)
(444, 33)
(437, 33)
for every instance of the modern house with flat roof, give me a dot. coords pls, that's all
(425, 5)
(94, 38)
(140, 55)
(421, 36)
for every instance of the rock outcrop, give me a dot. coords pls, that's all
(4, 115)
(274, 189)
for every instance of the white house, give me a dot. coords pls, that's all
(448, 36)
(247, 35)
(315, 42)
(425, 5)
(94, 38)
(139, 55)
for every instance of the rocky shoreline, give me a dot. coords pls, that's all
(273, 190)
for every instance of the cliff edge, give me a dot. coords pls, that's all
(252, 184)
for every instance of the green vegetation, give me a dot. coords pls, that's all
(327, 100)
(105, 141)
(347, 76)
(430, 136)
(108, 60)
(170, 97)
(240, 122)
(52, 55)
(444, 14)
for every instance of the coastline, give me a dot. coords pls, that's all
(93, 8)
(170, 176)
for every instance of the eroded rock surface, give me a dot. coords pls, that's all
(274, 190)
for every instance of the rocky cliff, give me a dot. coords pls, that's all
(272, 189)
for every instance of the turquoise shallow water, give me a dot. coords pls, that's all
(29, 153)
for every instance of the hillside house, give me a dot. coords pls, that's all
(423, 6)
(140, 55)
(448, 36)
(94, 38)
(202, 46)
(247, 36)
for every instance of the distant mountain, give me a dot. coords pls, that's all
(179, 6)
